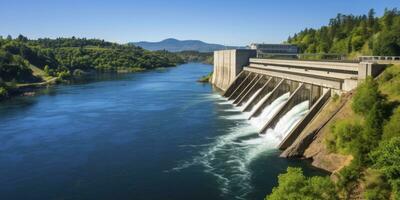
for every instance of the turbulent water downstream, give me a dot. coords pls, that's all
(150, 135)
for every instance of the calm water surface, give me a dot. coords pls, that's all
(150, 135)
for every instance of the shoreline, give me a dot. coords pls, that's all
(29, 89)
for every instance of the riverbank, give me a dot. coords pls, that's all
(29, 89)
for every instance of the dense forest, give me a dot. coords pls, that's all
(28, 61)
(353, 35)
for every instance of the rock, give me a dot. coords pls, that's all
(298, 148)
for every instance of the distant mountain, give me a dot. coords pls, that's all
(175, 45)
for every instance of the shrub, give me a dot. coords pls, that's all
(376, 185)
(373, 126)
(392, 127)
(64, 75)
(390, 82)
(335, 97)
(386, 158)
(367, 94)
(3, 92)
(347, 178)
(344, 136)
(294, 185)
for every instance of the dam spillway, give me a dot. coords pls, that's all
(282, 96)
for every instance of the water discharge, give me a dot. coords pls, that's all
(274, 136)
(229, 157)
(246, 103)
(269, 111)
(287, 122)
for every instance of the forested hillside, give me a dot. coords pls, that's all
(353, 35)
(65, 57)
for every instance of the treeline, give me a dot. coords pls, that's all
(69, 54)
(195, 56)
(353, 35)
(371, 135)
(64, 57)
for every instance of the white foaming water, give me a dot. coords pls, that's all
(269, 111)
(273, 137)
(228, 157)
(258, 104)
(287, 122)
(246, 103)
(230, 102)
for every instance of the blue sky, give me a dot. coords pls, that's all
(230, 22)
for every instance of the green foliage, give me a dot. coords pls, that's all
(386, 158)
(14, 67)
(366, 95)
(347, 179)
(348, 34)
(389, 82)
(46, 70)
(373, 125)
(64, 75)
(294, 185)
(67, 54)
(345, 136)
(3, 92)
(376, 186)
(335, 97)
(195, 56)
(359, 138)
(387, 44)
(392, 127)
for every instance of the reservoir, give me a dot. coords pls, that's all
(150, 135)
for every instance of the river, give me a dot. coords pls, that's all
(150, 135)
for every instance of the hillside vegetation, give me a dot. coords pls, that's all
(195, 56)
(29, 61)
(353, 35)
(371, 135)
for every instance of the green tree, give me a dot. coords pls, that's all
(365, 97)
(294, 185)
(345, 136)
(386, 158)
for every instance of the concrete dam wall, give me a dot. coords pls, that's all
(282, 96)
(228, 64)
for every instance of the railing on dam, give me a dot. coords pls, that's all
(304, 56)
(380, 59)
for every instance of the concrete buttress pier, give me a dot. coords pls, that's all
(228, 64)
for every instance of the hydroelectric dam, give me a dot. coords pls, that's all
(284, 96)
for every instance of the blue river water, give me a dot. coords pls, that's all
(149, 135)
